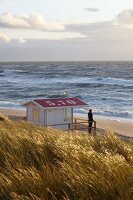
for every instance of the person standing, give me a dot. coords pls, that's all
(90, 120)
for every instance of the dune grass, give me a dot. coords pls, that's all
(46, 164)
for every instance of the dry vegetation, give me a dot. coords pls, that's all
(44, 164)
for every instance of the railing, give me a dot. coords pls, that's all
(84, 124)
(77, 124)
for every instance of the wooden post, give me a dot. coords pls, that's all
(68, 126)
(75, 121)
(95, 127)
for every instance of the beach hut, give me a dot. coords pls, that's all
(57, 112)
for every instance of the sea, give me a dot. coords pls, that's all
(107, 87)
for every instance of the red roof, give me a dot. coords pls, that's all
(60, 102)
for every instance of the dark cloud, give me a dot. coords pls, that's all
(92, 9)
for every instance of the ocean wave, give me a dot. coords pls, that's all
(123, 114)
(9, 104)
(68, 78)
(115, 81)
(98, 80)
(17, 71)
(84, 81)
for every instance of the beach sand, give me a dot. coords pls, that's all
(121, 127)
(12, 112)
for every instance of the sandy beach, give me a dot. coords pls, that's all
(121, 127)
(12, 112)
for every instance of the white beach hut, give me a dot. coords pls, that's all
(56, 112)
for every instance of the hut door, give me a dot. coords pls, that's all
(50, 117)
(35, 115)
(59, 116)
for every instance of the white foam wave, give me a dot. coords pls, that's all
(6, 103)
(114, 113)
(98, 80)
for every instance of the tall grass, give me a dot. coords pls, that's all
(46, 164)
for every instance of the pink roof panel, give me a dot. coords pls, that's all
(60, 102)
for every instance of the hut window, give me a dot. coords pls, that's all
(35, 114)
(67, 114)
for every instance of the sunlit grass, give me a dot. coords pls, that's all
(47, 164)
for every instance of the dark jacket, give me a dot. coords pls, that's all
(90, 116)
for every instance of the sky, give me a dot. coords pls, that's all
(66, 30)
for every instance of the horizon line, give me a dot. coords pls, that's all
(20, 61)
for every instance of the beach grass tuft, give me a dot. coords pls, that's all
(38, 163)
(2, 118)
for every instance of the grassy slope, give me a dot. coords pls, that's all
(39, 163)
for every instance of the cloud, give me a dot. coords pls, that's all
(91, 29)
(125, 18)
(34, 21)
(102, 40)
(77, 49)
(115, 29)
(92, 9)
(4, 38)
(22, 41)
